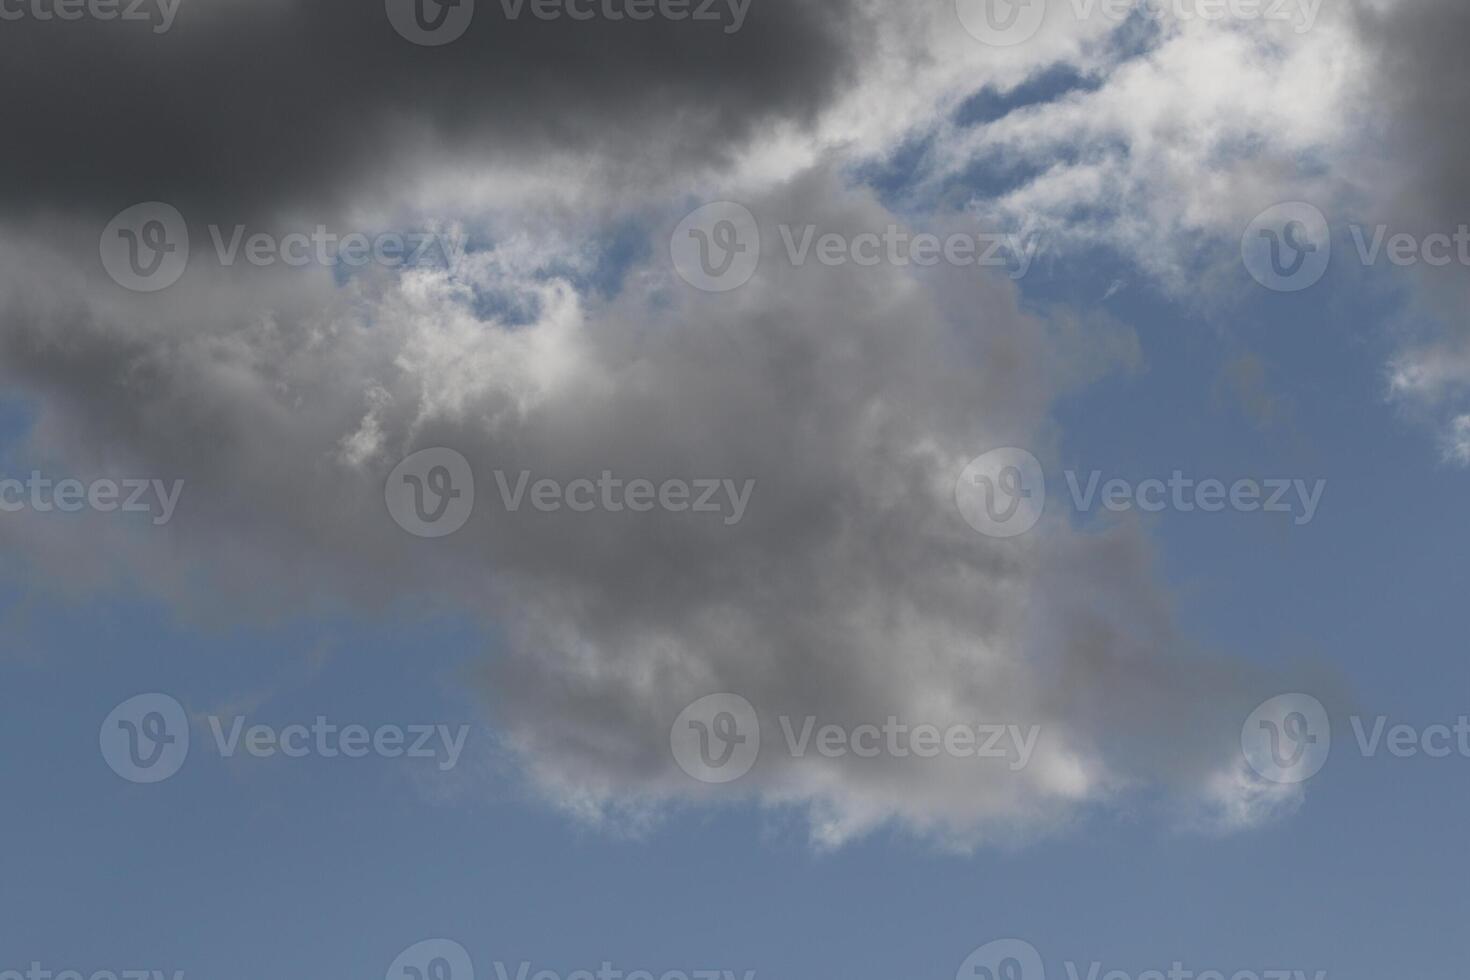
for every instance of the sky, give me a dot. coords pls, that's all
(755, 490)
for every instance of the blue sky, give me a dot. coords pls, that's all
(574, 338)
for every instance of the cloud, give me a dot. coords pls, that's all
(1170, 147)
(852, 590)
(1417, 181)
(853, 396)
(243, 110)
(1177, 131)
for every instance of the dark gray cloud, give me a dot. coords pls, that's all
(245, 106)
(1422, 76)
(1417, 181)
